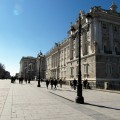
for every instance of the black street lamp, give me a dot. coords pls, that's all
(39, 58)
(25, 73)
(29, 77)
(80, 98)
(29, 72)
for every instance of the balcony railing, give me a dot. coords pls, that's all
(117, 53)
(107, 52)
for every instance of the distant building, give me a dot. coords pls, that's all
(31, 67)
(100, 50)
(28, 67)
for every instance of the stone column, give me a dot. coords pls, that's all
(71, 48)
(83, 43)
(111, 39)
(100, 38)
(96, 33)
(54, 60)
(76, 46)
(91, 35)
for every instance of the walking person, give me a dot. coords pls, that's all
(55, 84)
(19, 80)
(71, 84)
(47, 83)
(26, 80)
(88, 86)
(85, 83)
(60, 83)
(51, 82)
(29, 80)
(22, 80)
(74, 84)
(12, 79)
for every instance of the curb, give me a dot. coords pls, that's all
(118, 92)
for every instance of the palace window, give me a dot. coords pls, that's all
(107, 51)
(85, 68)
(117, 51)
(77, 70)
(109, 68)
(71, 72)
(115, 28)
(104, 26)
(64, 74)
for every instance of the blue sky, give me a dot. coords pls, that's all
(28, 26)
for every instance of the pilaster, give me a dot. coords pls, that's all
(111, 38)
(71, 48)
(77, 47)
(100, 37)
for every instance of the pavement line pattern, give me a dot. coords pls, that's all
(28, 102)
(99, 103)
(4, 91)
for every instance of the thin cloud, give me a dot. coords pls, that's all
(18, 8)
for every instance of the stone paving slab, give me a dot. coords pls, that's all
(28, 102)
(106, 103)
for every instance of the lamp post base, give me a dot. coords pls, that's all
(79, 100)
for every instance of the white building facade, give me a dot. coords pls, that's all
(28, 68)
(32, 68)
(100, 50)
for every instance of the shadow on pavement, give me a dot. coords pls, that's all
(101, 106)
(65, 90)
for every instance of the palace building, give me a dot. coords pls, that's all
(100, 50)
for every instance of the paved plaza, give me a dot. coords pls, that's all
(28, 102)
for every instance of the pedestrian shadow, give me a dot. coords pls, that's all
(102, 106)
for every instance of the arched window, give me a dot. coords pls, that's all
(109, 68)
(105, 49)
(116, 49)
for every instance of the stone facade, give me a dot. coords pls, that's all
(100, 49)
(40, 67)
(28, 67)
(31, 67)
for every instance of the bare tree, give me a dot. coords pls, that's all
(2, 70)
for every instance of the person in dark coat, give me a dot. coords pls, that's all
(12, 79)
(60, 81)
(29, 80)
(85, 83)
(52, 82)
(47, 83)
(88, 86)
(71, 84)
(74, 84)
(26, 80)
(21, 80)
(55, 83)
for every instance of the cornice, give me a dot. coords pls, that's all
(57, 48)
